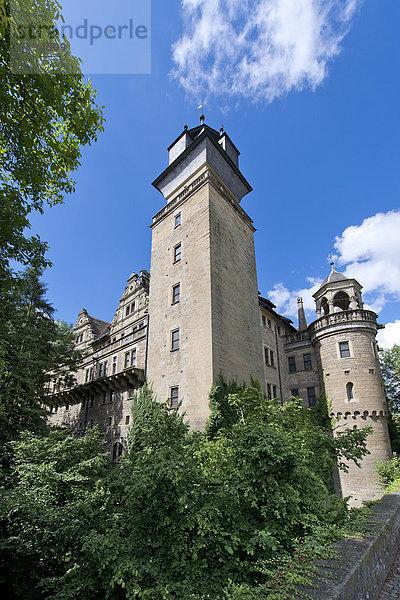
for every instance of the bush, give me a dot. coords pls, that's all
(388, 471)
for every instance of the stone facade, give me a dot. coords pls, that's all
(202, 316)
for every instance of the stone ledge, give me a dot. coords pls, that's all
(364, 564)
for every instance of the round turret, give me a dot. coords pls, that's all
(344, 338)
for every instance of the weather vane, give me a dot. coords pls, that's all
(202, 117)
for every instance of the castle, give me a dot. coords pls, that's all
(200, 315)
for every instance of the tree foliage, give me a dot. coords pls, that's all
(390, 369)
(32, 345)
(184, 514)
(46, 117)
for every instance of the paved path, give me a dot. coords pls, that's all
(391, 587)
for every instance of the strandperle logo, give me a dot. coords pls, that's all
(85, 31)
(108, 38)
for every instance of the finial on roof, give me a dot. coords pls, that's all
(185, 127)
(221, 130)
(202, 119)
(332, 262)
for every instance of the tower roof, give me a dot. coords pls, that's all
(334, 276)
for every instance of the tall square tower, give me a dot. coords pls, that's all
(203, 306)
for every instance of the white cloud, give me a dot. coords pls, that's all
(390, 335)
(258, 49)
(371, 253)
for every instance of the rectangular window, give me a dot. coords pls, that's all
(294, 392)
(101, 370)
(87, 375)
(278, 329)
(126, 360)
(176, 293)
(105, 369)
(127, 310)
(266, 356)
(111, 397)
(174, 397)
(292, 364)
(91, 373)
(133, 305)
(127, 419)
(104, 397)
(269, 323)
(114, 367)
(175, 339)
(307, 362)
(133, 358)
(264, 320)
(269, 391)
(344, 349)
(178, 219)
(274, 391)
(311, 396)
(109, 421)
(177, 252)
(271, 358)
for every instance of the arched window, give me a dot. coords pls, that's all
(325, 306)
(117, 450)
(341, 301)
(349, 391)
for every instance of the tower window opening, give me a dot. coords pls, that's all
(174, 397)
(325, 306)
(175, 339)
(341, 301)
(344, 349)
(349, 391)
(178, 253)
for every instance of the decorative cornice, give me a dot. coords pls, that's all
(207, 177)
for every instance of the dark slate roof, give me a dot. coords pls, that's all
(333, 277)
(270, 306)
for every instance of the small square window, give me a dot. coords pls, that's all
(292, 364)
(294, 392)
(344, 349)
(307, 362)
(174, 397)
(176, 293)
(175, 339)
(178, 219)
(178, 253)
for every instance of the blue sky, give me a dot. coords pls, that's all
(318, 132)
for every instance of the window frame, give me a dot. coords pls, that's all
(177, 217)
(174, 399)
(175, 287)
(175, 341)
(344, 352)
(291, 364)
(307, 363)
(177, 254)
(311, 397)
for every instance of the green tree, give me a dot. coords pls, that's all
(34, 345)
(46, 117)
(390, 369)
(49, 503)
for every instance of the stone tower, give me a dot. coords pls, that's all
(344, 339)
(203, 306)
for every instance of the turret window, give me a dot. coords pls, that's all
(349, 391)
(344, 349)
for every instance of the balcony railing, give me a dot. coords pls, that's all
(344, 316)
